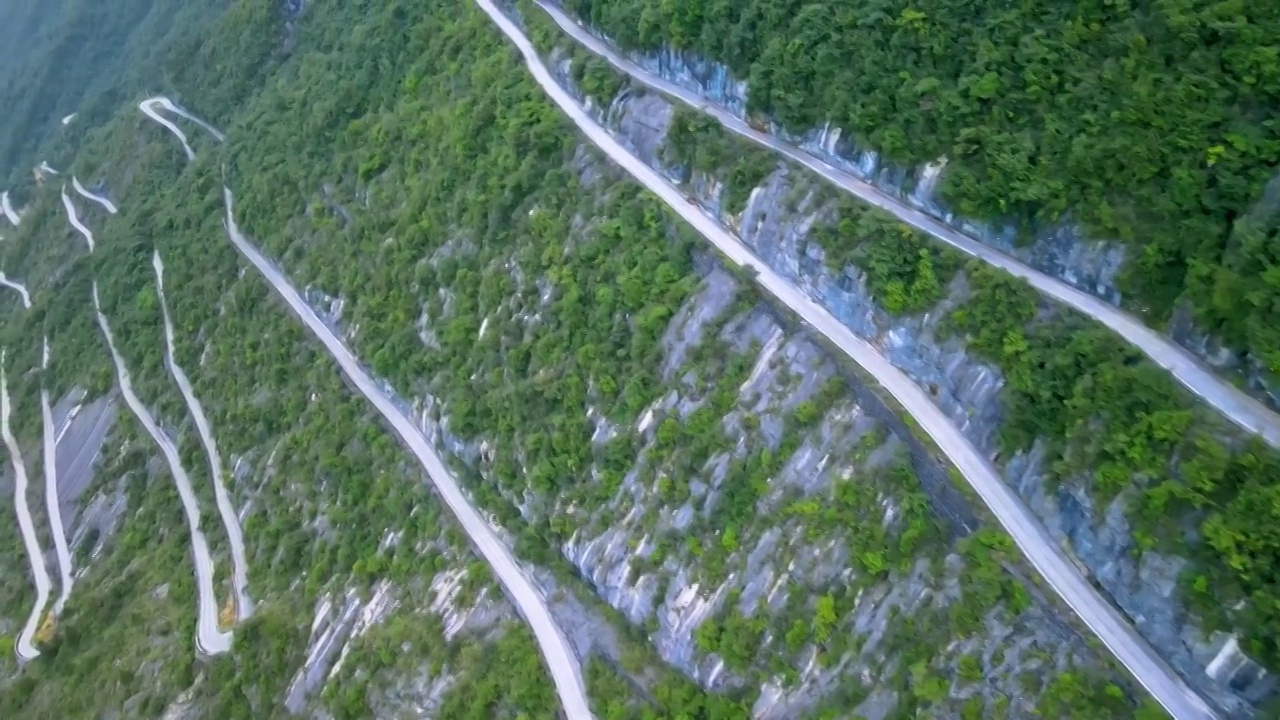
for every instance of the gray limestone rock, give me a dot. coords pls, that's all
(779, 229)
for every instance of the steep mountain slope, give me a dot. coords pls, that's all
(1152, 125)
(726, 519)
(1133, 516)
(78, 56)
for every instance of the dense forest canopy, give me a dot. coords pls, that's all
(1156, 123)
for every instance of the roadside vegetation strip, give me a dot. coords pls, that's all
(210, 640)
(1233, 403)
(52, 503)
(230, 521)
(1033, 541)
(563, 664)
(25, 645)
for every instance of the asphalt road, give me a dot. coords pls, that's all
(104, 202)
(209, 639)
(176, 109)
(1033, 541)
(1193, 374)
(556, 650)
(25, 648)
(239, 566)
(51, 497)
(22, 290)
(7, 207)
(78, 444)
(66, 410)
(75, 219)
(148, 107)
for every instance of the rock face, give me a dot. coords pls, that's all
(1090, 264)
(342, 616)
(677, 551)
(779, 561)
(1263, 383)
(329, 631)
(82, 429)
(777, 222)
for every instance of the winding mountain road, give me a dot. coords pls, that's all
(52, 503)
(209, 639)
(22, 289)
(556, 650)
(239, 566)
(94, 197)
(14, 218)
(1033, 541)
(25, 648)
(1236, 405)
(148, 107)
(75, 219)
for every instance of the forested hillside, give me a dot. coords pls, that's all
(1101, 442)
(84, 57)
(534, 306)
(1154, 122)
(329, 497)
(730, 525)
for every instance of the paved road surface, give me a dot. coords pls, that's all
(75, 219)
(103, 201)
(239, 566)
(1041, 551)
(65, 412)
(7, 207)
(78, 450)
(65, 409)
(1236, 405)
(177, 109)
(209, 639)
(25, 648)
(22, 290)
(51, 498)
(565, 670)
(148, 107)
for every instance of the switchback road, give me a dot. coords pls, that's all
(75, 219)
(1032, 539)
(1235, 404)
(209, 639)
(25, 648)
(230, 521)
(52, 503)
